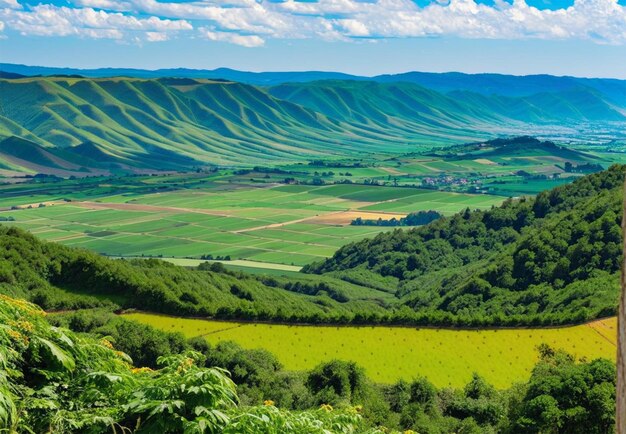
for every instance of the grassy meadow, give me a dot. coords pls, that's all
(446, 357)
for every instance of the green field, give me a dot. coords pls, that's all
(282, 224)
(445, 357)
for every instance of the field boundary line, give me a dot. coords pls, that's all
(221, 330)
(601, 335)
(242, 322)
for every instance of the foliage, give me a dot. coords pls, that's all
(553, 259)
(413, 219)
(55, 380)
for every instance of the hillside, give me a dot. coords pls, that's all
(170, 123)
(396, 102)
(549, 260)
(506, 149)
(149, 122)
(552, 258)
(58, 278)
(401, 107)
(126, 124)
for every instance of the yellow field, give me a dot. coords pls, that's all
(445, 357)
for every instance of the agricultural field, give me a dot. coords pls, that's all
(291, 214)
(446, 357)
(271, 223)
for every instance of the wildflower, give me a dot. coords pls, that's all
(326, 407)
(25, 326)
(185, 364)
(17, 336)
(268, 403)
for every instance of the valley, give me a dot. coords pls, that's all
(431, 253)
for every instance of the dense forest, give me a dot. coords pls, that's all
(111, 375)
(545, 260)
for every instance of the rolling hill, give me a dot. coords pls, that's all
(170, 123)
(386, 102)
(90, 125)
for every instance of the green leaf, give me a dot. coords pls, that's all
(57, 354)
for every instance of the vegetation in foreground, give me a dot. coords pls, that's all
(65, 381)
(54, 380)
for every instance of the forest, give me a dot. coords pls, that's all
(545, 260)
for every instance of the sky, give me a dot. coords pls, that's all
(365, 37)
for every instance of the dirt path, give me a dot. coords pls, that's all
(278, 225)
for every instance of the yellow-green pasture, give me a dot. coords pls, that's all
(446, 357)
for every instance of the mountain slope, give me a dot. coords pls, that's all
(181, 123)
(139, 122)
(552, 259)
(396, 102)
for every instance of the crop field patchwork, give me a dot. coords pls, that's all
(446, 357)
(285, 224)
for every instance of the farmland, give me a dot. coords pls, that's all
(284, 224)
(446, 357)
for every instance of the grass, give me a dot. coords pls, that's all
(445, 357)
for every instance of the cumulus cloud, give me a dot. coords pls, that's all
(9, 4)
(233, 38)
(50, 20)
(251, 22)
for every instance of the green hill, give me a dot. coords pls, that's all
(174, 123)
(550, 259)
(170, 123)
(505, 149)
(398, 104)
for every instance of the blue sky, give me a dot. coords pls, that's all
(367, 37)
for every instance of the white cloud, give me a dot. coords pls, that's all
(10, 4)
(233, 38)
(251, 22)
(49, 20)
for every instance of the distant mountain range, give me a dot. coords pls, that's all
(69, 124)
(485, 84)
